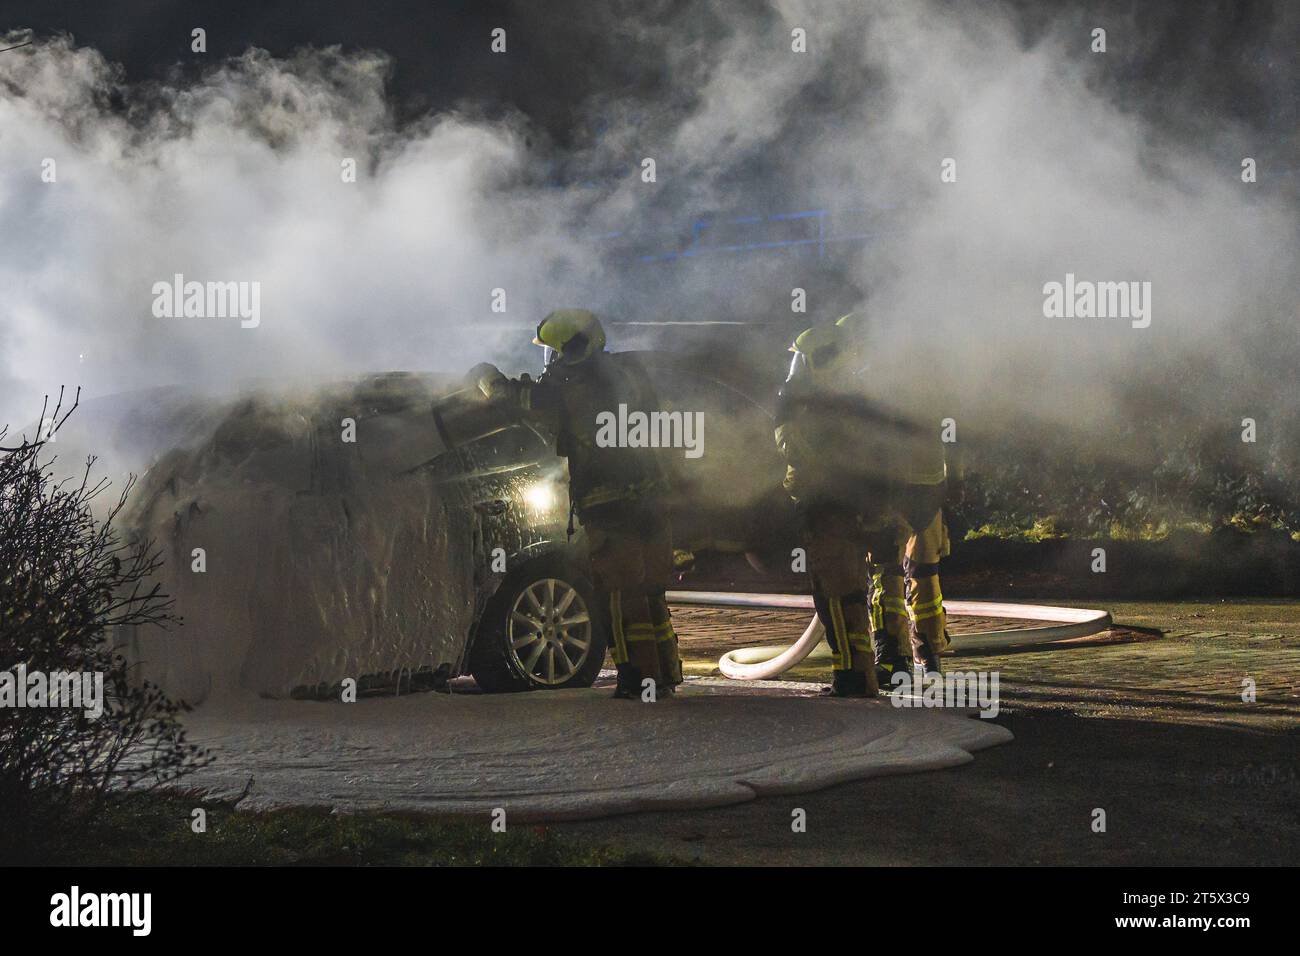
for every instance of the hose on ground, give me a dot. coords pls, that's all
(767, 662)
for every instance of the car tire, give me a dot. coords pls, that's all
(521, 646)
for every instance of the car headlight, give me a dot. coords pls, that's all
(541, 496)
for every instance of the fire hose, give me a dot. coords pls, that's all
(763, 663)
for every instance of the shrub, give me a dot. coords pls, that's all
(67, 581)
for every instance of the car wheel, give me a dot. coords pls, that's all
(539, 632)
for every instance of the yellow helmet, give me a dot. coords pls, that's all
(822, 344)
(574, 334)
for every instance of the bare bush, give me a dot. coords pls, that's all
(68, 583)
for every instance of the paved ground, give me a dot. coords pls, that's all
(1151, 729)
(1192, 673)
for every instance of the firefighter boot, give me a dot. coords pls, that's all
(848, 683)
(850, 620)
(929, 620)
(856, 611)
(891, 658)
(670, 661)
(892, 641)
(927, 649)
(643, 654)
(629, 682)
(927, 658)
(864, 662)
(857, 681)
(634, 650)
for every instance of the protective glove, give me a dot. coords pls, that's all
(486, 377)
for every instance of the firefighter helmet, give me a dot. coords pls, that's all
(574, 334)
(820, 346)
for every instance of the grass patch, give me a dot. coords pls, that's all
(1043, 529)
(155, 830)
(1053, 527)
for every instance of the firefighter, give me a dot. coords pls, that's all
(619, 494)
(839, 497)
(868, 484)
(909, 622)
(906, 563)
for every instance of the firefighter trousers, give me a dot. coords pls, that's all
(906, 595)
(839, 581)
(631, 557)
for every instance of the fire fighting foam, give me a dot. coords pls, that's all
(568, 754)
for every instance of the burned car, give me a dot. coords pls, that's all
(398, 532)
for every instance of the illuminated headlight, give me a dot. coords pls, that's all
(541, 496)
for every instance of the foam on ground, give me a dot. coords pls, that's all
(567, 754)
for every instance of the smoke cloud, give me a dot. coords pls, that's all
(1061, 168)
(238, 177)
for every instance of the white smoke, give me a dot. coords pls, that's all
(236, 176)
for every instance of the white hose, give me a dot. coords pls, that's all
(764, 663)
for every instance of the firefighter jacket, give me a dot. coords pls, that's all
(841, 447)
(569, 400)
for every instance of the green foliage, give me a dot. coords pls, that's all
(154, 829)
(1151, 481)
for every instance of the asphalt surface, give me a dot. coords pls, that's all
(1150, 729)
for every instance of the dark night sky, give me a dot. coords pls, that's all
(440, 49)
(1214, 77)
(1228, 54)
